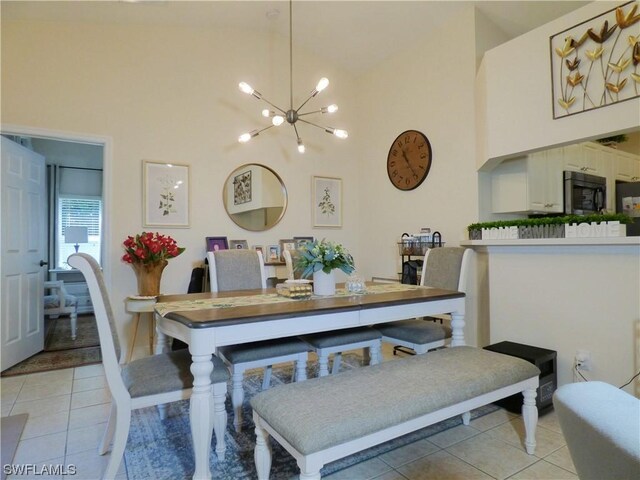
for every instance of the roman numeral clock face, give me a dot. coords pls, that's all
(409, 160)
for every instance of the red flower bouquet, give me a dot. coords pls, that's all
(150, 248)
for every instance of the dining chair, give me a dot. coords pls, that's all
(244, 270)
(443, 267)
(337, 341)
(150, 381)
(59, 302)
(292, 273)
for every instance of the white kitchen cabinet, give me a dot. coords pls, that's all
(585, 158)
(627, 167)
(531, 184)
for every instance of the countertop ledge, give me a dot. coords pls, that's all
(563, 242)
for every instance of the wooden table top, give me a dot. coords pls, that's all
(298, 308)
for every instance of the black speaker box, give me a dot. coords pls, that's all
(542, 358)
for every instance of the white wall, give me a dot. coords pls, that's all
(569, 298)
(170, 94)
(517, 86)
(430, 88)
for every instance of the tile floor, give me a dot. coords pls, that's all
(68, 410)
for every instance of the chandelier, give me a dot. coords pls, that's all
(291, 116)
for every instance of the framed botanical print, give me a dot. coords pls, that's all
(326, 198)
(166, 194)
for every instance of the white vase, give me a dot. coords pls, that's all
(324, 283)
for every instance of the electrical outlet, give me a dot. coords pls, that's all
(583, 360)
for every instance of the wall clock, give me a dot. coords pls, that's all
(409, 160)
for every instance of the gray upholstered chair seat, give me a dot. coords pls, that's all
(167, 372)
(443, 267)
(328, 411)
(53, 301)
(336, 338)
(337, 341)
(416, 330)
(251, 352)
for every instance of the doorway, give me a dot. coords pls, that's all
(77, 199)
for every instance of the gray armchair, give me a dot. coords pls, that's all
(601, 425)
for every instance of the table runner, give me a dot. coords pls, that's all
(164, 308)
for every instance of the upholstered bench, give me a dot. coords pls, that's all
(327, 418)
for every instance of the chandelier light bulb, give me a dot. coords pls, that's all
(246, 88)
(340, 133)
(291, 114)
(322, 84)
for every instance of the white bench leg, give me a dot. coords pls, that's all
(219, 418)
(237, 397)
(262, 453)
(530, 417)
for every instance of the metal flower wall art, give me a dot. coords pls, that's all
(597, 62)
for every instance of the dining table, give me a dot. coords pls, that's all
(206, 321)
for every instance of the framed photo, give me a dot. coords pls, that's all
(326, 200)
(302, 240)
(258, 248)
(239, 245)
(166, 194)
(242, 188)
(217, 243)
(273, 254)
(287, 244)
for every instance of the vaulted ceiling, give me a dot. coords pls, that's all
(354, 34)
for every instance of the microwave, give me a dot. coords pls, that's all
(584, 194)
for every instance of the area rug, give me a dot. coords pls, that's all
(62, 352)
(59, 334)
(10, 433)
(162, 449)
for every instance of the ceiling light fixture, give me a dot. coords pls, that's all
(291, 116)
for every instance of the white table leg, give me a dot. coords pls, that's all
(457, 327)
(201, 414)
(163, 342)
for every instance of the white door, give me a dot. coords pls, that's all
(22, 245)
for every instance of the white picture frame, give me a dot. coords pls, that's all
(326, 202)
(165, 195)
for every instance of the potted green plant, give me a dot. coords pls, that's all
(545, 227)
(320, 259)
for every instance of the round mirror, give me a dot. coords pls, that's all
(254, 197)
